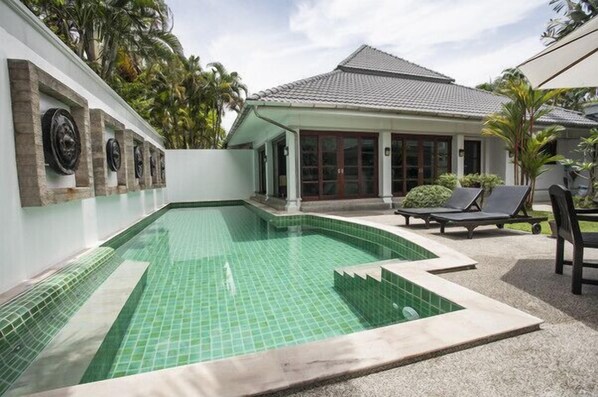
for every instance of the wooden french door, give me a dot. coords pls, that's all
(338, 165)
(418, 160)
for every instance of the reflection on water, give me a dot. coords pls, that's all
(229, 280)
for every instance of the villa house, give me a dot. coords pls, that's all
(374, 128)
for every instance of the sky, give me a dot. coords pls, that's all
(273, 42)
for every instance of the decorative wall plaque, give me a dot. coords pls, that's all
(138, 159)
(66, 145)
(133, 149)
(152, 165)
(113, 154)
(109, 156)
(62, 142)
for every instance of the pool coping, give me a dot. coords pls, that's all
(481, 320)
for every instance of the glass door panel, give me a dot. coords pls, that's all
(427, 165)
(330, 166)
(397, 166)
(368, 166)
(351, 167)
(310, 178)
(471, 162)
(443, 158)
(411, 164)
(418, 160)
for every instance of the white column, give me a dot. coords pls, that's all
(269, 169)
(293, 170)
(458, 164)
(385, 167)
(256, 171)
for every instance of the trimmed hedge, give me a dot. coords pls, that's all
(448, 180)
(427, 196)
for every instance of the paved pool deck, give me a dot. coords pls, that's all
(515, 268)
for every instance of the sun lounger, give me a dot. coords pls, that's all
(463, 199)
(505, 205)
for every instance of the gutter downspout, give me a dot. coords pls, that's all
(297, 148)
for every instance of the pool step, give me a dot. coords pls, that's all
(91, 336)
(363, 290)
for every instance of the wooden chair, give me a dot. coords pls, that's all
(567, 223)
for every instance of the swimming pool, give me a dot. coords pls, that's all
(209, 285)
(224, 282)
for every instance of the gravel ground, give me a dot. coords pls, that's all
(518, 269)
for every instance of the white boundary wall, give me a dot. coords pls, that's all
(32, 239)
(207, 175)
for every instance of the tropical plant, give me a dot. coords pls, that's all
(575, 13)
(586, 166)
(427, 196)
(508, 76)
(129, 43)
(112, 34)
(224, 91)
(534, 158)
(516, 125)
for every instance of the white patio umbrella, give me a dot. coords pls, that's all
(571, 62)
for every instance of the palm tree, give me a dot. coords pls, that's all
(129, 43)
(516, 125)
(534, 159)
(576, 13)
(104, 32)
(224, 91)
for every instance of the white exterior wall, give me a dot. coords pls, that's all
(32, 239)
(210, 175)
(494, 157)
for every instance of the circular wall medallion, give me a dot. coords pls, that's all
(113, 154)
(138, 159)
(152, 166)
(62, 142)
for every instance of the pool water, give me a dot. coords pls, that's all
(223, 282)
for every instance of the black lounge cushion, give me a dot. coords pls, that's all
(471, 216)
(504, 203)
(463, 198)
(425, 211)
(590, 239)
(506, 199)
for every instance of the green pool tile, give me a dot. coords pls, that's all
(223, 282)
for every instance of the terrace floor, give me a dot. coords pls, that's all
(518, 269)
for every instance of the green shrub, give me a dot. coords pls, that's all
(448, 180)
(583, 202)
(427, 196)
(485, 181)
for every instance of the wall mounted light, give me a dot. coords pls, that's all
(511, 154)
(461, 152)
(286, 151)
(387, 151)
(265, 158)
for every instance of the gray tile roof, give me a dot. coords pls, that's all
(369, 59)
(401, 94)
(385, 84)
